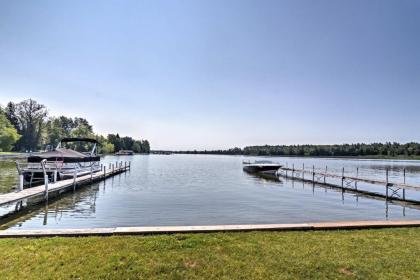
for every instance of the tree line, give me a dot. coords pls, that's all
(27, 126)
(387, 149)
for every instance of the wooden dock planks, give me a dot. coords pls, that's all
(59, 185)
(356, 179)
(115, 231)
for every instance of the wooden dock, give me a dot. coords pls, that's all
(118, 231)
(43, 191)
(393, 190)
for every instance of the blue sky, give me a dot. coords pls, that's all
(218, 74)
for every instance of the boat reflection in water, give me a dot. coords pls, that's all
(81, 204)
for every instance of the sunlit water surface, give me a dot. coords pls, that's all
(209, 190)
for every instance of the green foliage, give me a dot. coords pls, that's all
(233, 151)
(360, 149)
(128, 143)
(58, 128)
(108, 148)
(82, 130)
(8, 134)
(357, 254)
(30, 120)
(387, 150)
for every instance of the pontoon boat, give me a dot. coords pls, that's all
(61, 163)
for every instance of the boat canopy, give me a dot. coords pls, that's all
(63, 155)
(79, 139)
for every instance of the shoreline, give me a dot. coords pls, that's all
(312, 157)
(157, 230)
(12, 155)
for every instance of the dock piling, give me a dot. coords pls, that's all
(46, 186)
(43, 162)
(303, 171)
(20, 187)
(313, 174)
(387, 182)
(74, 179)
(325, 174)
(404, 184)
(357, 177)
(20, 182)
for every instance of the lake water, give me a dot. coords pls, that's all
(212, 189)
(8, 176)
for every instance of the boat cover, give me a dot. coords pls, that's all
(78, 139)
(63, 155)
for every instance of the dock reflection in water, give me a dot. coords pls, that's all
(208, 190)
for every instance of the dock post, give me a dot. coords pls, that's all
(55, 176)
(113, 169)
(101, 166)
(46, 186)
(313, 174)
(293, 171)
(404, 187)
(125, 166)
(357, 178)
(43, 162)
(20, 182)
(129, 165)
(342, 179)
(325, 174)
(74, 179)
(91, 173)
(387, 178)
(20, 176)
(104, 172)
(287, 166)
(109, 166)
(303, 172)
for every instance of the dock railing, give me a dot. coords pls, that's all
(393, 190)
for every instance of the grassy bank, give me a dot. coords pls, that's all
(364, 254)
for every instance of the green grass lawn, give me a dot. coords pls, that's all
(364, 254)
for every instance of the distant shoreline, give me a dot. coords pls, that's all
(315, 157)
(8, 155)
